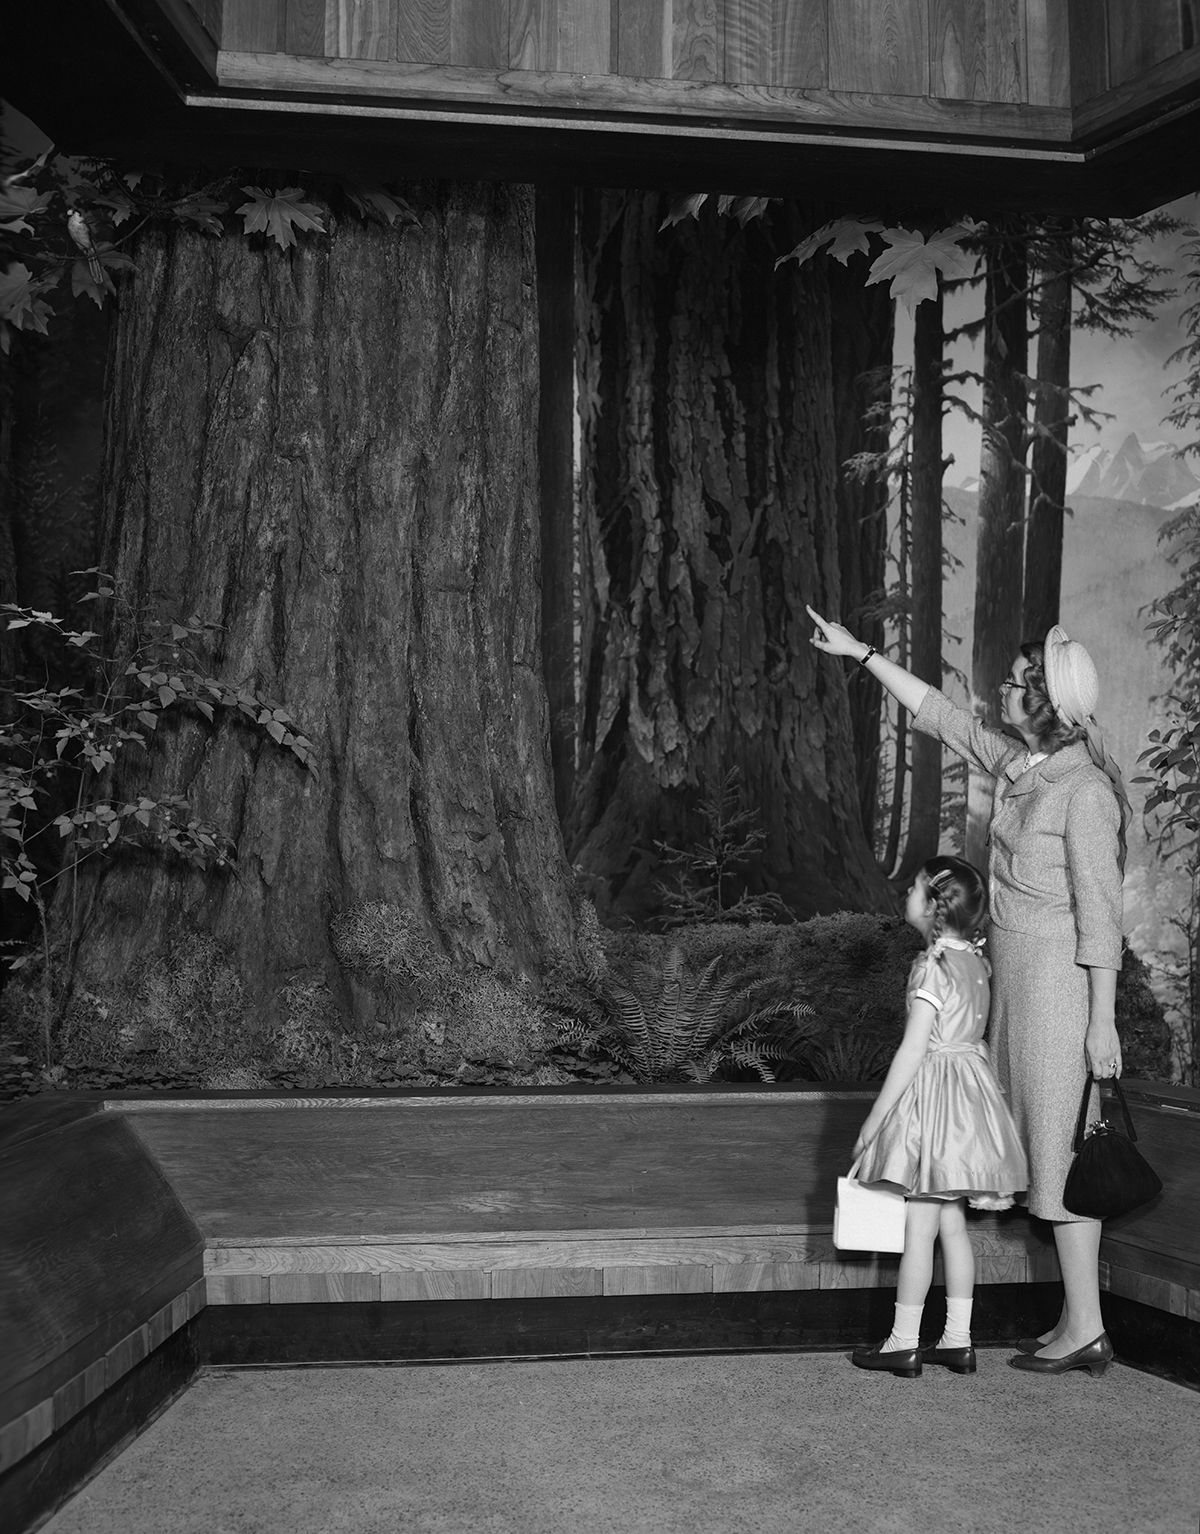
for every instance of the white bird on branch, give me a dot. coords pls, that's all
(81, 232)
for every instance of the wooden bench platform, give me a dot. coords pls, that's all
(424, 1197)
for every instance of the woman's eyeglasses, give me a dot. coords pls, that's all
(1009, 682)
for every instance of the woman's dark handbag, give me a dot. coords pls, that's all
(1109, 1174)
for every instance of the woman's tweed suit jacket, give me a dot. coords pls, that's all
(1054, 883)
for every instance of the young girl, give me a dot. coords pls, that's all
(940, 1128)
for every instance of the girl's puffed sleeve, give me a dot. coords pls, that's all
(965, 735)
(928, 981)
(1091, 835)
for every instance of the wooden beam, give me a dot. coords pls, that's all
(829, 112)
(1168, 87)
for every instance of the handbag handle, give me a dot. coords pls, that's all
(1081, 1122)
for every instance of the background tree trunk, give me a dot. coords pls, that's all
(925, 797)
(556, 455)
(862, 333)
(1048, 480)
(999, 567)
(333, 451)
(708, 520)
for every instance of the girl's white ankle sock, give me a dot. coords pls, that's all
(906, 1329)
(958, 1324)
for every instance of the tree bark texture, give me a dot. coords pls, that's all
(1048, 481)
(708, 520)
(333, 452)
(555, 211)
(925, 792)
(862, 334)
(999, 572)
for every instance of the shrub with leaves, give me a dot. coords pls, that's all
(51, 730)
(1172, 758)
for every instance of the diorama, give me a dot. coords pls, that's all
(452, 909)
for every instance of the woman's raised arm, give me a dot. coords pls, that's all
(908, 690)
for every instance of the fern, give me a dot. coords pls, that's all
(672, 1025)
(847, 1056)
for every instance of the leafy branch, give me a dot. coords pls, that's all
(63, 221)
(52, 733)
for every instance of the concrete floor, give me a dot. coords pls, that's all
(753, 1443)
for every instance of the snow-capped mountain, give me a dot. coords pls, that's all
(1146, 473)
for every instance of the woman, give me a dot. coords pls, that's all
(1054, 880)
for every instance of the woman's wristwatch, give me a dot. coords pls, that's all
(871, 650)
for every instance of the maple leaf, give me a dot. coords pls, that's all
(373, 202)
(850, 235)
(17, 205)
(83, 284)
(808, 247)
(119, 205)
(686, 207)
(203, 211)
(20, 306)
(912, 263)
(844, 236)
(743, 208)
(279, 214)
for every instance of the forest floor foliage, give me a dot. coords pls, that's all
(820, 1000)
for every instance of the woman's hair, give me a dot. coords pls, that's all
(959, 894)
(1051, 732)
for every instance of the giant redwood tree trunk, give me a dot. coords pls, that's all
(708, 520)
(333, 452)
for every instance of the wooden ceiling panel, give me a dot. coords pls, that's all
(1086, 106)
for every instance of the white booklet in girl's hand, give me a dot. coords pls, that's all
(867, 1217)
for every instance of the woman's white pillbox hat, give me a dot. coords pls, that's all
(1071, 678)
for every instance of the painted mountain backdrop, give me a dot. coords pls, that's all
(1146, 473)
(1143, 473)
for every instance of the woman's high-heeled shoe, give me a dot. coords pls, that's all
(1095, 1357)
(1031, 1345)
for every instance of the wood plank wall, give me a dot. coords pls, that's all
(1038, 52)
